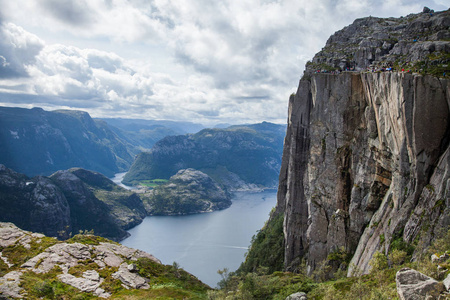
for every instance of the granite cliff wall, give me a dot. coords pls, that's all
(366, 162)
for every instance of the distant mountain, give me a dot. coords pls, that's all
(234, 157)
(137, 125)
(67, 202)
(141, 134)
(38, 142)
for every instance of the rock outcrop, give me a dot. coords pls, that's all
(187, 192)
(366, 158)
(36, 266)
(417, 42)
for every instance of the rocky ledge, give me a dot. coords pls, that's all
(35, 266)
(417, 42)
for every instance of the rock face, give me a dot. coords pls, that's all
(234, 157)
(417, 41)
(187, 192)
(35, 203)
(412, 284)
(67, 202)
(366, 159)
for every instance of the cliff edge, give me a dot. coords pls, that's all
(366, 161)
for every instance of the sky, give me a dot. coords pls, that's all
(209, 62)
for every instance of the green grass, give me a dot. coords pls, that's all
(17, 254)
(47, 286)
(165, 274)
(153, 182)
(88, 239)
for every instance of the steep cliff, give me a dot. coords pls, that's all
(67, 202)
(366, 161)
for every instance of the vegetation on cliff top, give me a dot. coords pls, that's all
(379, 284)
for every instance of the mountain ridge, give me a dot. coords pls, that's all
(247, 154)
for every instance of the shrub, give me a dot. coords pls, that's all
(378, 262)
(397, 257)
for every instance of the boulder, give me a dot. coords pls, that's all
(83, 284)
(297, 296)
(447, 283)
(412, 285)
(130, 280)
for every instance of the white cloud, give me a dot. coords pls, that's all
(18, 49)
(209, 61)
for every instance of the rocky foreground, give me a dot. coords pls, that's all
(35, 266)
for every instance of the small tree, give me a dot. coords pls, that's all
(397, 257)
(378, 262)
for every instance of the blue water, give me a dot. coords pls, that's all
(204, 243)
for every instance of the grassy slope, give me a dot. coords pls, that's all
(256, 280)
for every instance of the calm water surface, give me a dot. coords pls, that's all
(204, 243)
(117, 179)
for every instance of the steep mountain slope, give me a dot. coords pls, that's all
(68, 202)
(234, 156)
(38, 142)
(366, 164)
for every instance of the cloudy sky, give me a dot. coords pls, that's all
(223, 61)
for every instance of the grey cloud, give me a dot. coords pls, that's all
(40, 100)
(68, 11)
(105, 62)
(17, 50)
(208, 113)
(256, 98)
